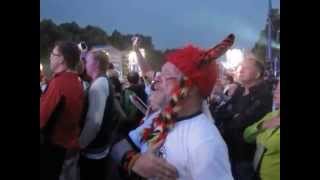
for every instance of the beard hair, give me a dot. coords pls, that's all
(165, 101)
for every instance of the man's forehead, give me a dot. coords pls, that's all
(169, 68)
(165, 66)
(248, 62)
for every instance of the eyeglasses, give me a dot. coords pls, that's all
(171, 78)
(54, 54)
(155, 83)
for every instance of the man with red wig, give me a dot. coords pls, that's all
(183, 133)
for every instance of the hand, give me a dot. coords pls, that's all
(150, 166)
(272, 123)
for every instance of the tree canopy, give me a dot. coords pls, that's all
(92, 35)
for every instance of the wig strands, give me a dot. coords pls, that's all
(162, 124)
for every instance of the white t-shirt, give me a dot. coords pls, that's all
(195, 147)
(135, 135)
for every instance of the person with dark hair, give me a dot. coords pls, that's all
(133, 77)
(61, 107)
(117, 86)
(136, 86)
(251, 100)
(70, 53)
(114, 77)
(134, 115)
(70, 169)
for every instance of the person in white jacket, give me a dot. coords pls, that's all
(95, 132)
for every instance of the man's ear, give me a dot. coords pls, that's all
(61, 60)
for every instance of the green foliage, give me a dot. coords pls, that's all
(92, 35)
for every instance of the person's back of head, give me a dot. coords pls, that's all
(112, 73)
(133, 78)
(96, 63)
(102, 59)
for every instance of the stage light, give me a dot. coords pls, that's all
(233, 58)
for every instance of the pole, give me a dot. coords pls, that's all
(269, 40)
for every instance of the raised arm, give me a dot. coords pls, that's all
(143, 64)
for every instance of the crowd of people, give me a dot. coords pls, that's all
(184, 122)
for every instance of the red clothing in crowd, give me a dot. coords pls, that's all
(66, 131)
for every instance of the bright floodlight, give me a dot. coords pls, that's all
(233, 58)
(133, 56)
(133, 62)
(143, 53)
(41, 67)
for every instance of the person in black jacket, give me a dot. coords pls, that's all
(138, 88)
(250, 102)
(134, 115)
